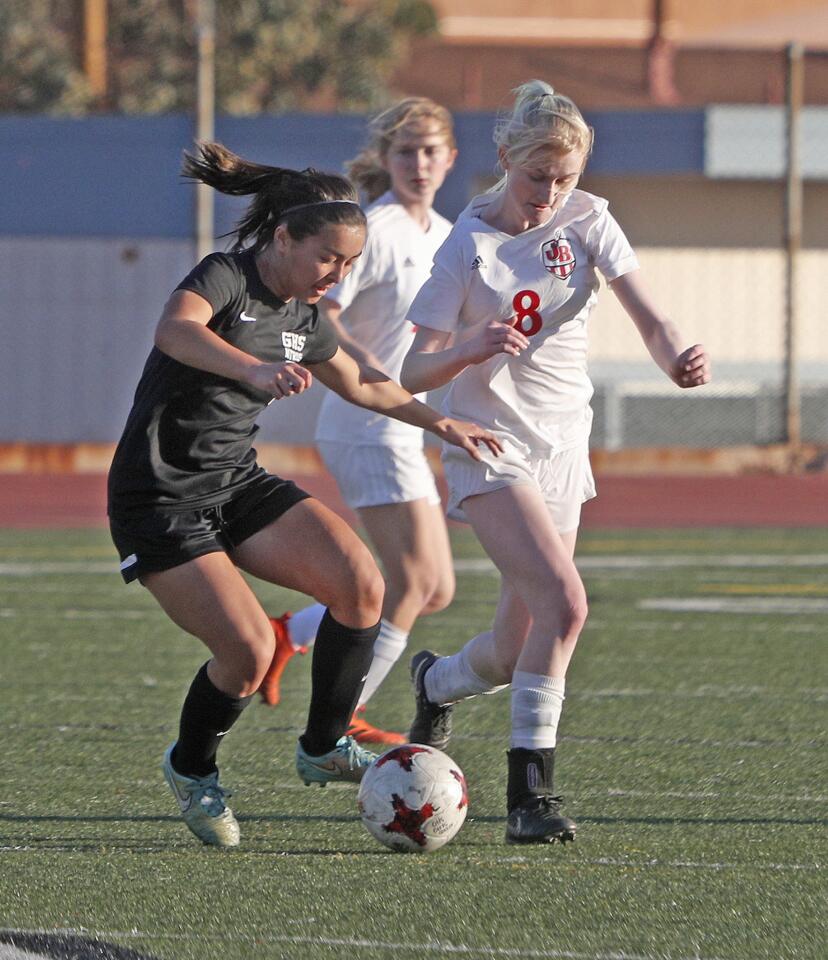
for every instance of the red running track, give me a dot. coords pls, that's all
(752, 500)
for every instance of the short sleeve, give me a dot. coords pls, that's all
(323, 343)
(440, 299)
(217, 279)
(609, 248)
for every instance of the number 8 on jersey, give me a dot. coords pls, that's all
(527, 319)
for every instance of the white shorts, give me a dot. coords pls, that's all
(373, 475)
(564, 479)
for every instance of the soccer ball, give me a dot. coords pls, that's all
(413, 798)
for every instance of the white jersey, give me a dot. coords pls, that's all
(375, 298)
(546, 277)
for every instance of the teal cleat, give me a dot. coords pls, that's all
(201, 800)
(347, 762)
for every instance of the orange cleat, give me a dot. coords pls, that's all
(269, 687)
(363, 732)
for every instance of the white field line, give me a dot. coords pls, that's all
(678, 864)
(668, 561)
(9, 613)
(693, 743)
(760, 605)
(429, 947)
(32, 568)
(711, 795)
(8, 952)
(706, 692)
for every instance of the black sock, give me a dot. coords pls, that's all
(531, 774)
(341, 658)
(206, 716)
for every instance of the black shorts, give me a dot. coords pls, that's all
(159, 539)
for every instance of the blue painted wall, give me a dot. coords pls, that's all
(116, 176)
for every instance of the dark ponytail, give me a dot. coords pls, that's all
(298, 198)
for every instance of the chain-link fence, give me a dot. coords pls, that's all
(733, 302)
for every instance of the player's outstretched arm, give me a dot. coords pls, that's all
(367, 387)
(432, 361)
(182, 333)
(333, 313)
(685, 366)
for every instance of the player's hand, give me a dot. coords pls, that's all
(280, 379)
(691, 368)
(468, 436)
(498, 336)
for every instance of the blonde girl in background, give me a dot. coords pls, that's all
(503, 319)
(380, 467)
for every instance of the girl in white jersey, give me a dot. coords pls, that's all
(503, 319)
(380, 465)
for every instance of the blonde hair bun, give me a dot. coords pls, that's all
(541, 119)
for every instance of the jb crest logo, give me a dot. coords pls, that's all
(558, 257)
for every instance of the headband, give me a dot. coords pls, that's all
(315, 203)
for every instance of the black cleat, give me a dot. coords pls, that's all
(432, 722)
(534, 815)
(539, 820)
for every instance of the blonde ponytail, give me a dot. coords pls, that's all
(541, 119)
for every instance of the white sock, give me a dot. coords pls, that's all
(303, 625)
(450, 679)
(388, 648)
(537, 701)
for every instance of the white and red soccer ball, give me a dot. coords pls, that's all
(413, 798)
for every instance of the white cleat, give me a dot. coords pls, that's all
(201, 800)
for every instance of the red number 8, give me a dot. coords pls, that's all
(527, 311)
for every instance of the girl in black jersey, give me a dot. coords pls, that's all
(189, 507)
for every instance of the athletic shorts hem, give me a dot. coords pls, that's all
(140, 568)
(374, 475)
(564, 481)
(156, 540)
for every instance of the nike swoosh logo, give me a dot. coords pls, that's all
(184, 802)
(247, 319)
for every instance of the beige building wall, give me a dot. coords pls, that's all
(712, 255)
(630, 20)
(730, 299)
(689, 211)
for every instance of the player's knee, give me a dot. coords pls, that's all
(372, 590)
(503, 666)
(247, 660)
(364, 592)
(440, 596)
(416, 588)
(562, 603)
(575, 610)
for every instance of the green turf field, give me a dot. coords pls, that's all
(692, 756)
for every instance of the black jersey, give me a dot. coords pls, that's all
(188, 440)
